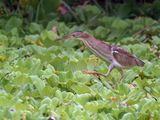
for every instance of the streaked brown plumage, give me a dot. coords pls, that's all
(117, 57)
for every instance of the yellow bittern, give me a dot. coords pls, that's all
(117, 57)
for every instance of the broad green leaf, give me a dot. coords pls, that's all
(13, 22)
(156, 70)
(81, 89)
(134, 96)
(50, 5)
(123, 89)
(94, 106)
(48, 91)
(119, 24)
(130, 75)
(71, 43)
(101, 32)
(35, 28)
(39, 84)
(91, 11)
(3, 40)
(104, 116)
(128, 116)
(48, 38)
(156, 40)
(83, 98)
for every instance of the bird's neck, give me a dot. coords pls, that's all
(88, 39)
(98, 47)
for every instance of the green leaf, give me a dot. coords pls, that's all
(101, 32)
(3, 40)
(123, 89)
(35, 28)
(81, 89)
(2, 23)
(48, 38)
(83, 98)
(128, 116)
(104, 116)
(71, 43)
(91, 11)
(156, 40)
(119, 24)
(130, 75)
(134, 96)
(39, 84)
(50, 5)
(94, 106)
(13, 22)
(48, 91)
(156, 70)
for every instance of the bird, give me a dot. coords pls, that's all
(116, 56)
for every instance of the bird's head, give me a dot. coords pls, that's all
(79, 35)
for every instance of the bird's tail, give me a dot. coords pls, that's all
(140, 62)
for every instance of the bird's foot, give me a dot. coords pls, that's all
(96, 74)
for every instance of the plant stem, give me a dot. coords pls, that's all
(71, 11)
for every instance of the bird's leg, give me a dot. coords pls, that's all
(97, 74)
(111, 66)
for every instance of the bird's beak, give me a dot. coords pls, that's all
(67, 37)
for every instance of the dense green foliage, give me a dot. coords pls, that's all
(41, 77)
(44, 10)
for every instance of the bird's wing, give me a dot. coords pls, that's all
(124, 58)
